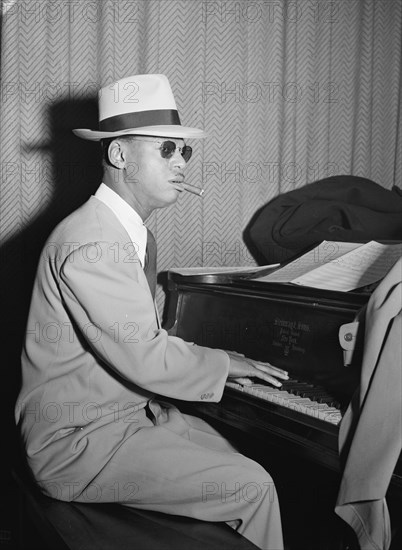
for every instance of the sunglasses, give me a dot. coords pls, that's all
(168, 148)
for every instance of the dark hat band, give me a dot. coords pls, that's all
(158, 117)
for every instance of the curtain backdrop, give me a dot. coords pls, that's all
(289, 92)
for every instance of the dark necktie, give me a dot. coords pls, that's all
(150, 262)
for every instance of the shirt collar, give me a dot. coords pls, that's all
(128, 217)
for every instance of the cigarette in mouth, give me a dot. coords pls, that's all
(193, 189)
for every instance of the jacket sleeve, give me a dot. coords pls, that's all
(112, 307)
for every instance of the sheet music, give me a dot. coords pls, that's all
(361, 267)
(323, 253)
(339, 266)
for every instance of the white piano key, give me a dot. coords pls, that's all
(289, 400)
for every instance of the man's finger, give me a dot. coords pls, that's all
(271, 370)
(270, 379)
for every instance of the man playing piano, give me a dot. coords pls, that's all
(95, 354)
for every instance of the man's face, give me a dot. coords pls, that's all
(153, 181)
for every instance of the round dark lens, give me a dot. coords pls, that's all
(167, 149)
(186, 152)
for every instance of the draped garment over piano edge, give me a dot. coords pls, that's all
(370, 437)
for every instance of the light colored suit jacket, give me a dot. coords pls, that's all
(370, 437)
(95, 354)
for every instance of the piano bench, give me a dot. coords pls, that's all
(46, 523)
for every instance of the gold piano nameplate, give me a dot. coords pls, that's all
(287, 335)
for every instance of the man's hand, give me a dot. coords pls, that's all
(241, 369)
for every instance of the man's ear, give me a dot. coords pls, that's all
(116, 154)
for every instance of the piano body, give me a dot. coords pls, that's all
(292, 327)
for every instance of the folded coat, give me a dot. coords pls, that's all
(338, 208)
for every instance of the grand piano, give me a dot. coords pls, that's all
(292, 327)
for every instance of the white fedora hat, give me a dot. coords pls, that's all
(138, 105)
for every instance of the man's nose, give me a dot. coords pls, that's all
(177, 160)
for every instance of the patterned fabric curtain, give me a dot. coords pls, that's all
(289, 92)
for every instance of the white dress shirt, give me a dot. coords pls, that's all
(128, 217)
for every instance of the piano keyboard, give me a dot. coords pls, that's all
(298, 396)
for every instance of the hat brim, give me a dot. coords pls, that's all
(174, 131)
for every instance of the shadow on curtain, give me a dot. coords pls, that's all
(75, 173)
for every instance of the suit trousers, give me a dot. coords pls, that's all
(178, 464)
